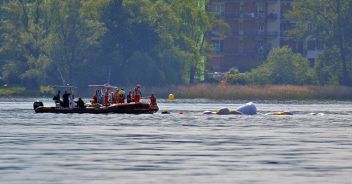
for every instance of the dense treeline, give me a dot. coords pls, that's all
(282, 67)
(154, 42)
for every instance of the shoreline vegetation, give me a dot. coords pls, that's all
(261, 92)
(223, 92)
(12, 91)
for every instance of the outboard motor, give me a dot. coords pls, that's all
(37, 104)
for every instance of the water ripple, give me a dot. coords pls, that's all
(177, 148)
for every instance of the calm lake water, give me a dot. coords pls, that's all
(178, 148)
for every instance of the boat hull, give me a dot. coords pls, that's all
(131, 108)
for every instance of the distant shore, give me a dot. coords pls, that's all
(226, 92)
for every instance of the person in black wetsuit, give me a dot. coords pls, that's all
(56, 98)
(80, 103)
(129, 97)
(65, 99)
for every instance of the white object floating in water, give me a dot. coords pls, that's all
(248, 109)
(207, 112)
(317, 114)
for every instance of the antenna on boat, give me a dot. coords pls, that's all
(62, 78)
(109, 75)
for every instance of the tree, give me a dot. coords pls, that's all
(328, 67)
(132, 32)
(73, 33)
(46, 40)
(22, 30)
(193, 23)
(328, 21)
(283, 66)
(156, 42)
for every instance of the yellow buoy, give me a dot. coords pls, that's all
(171, 96)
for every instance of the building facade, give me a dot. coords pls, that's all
(256, 26)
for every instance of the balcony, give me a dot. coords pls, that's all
(272, 33)
(251, 15)
(231, 15)
(255, 34)
(272, 16)
(220, 14)
(284, 33)
(267, 34)
(259, 15)
(243, 33)
(244, 15)
(241, 52)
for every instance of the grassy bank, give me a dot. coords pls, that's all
(12, 91)
(260, 92)
(226, 92)
(20, 92)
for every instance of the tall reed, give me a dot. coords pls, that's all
(264, 92)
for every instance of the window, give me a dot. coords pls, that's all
(284, 26)
(241, 46)
(311, 44)
(260, 46)
(311, 63)
(218, 46)
(241, 7)
(310, 27)
(320, 45)
(219, 8)
(260, 8)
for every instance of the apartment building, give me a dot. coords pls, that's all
(256, 26)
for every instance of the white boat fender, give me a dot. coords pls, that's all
(208, 112)
(248, 109)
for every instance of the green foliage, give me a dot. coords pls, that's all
(329, 22)
(189, 35)
(260, 75)
(155, 42)
(328, 67)
(135, 67)
(282, 67)
(46, 90)
(8, 91)
(236, 78)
